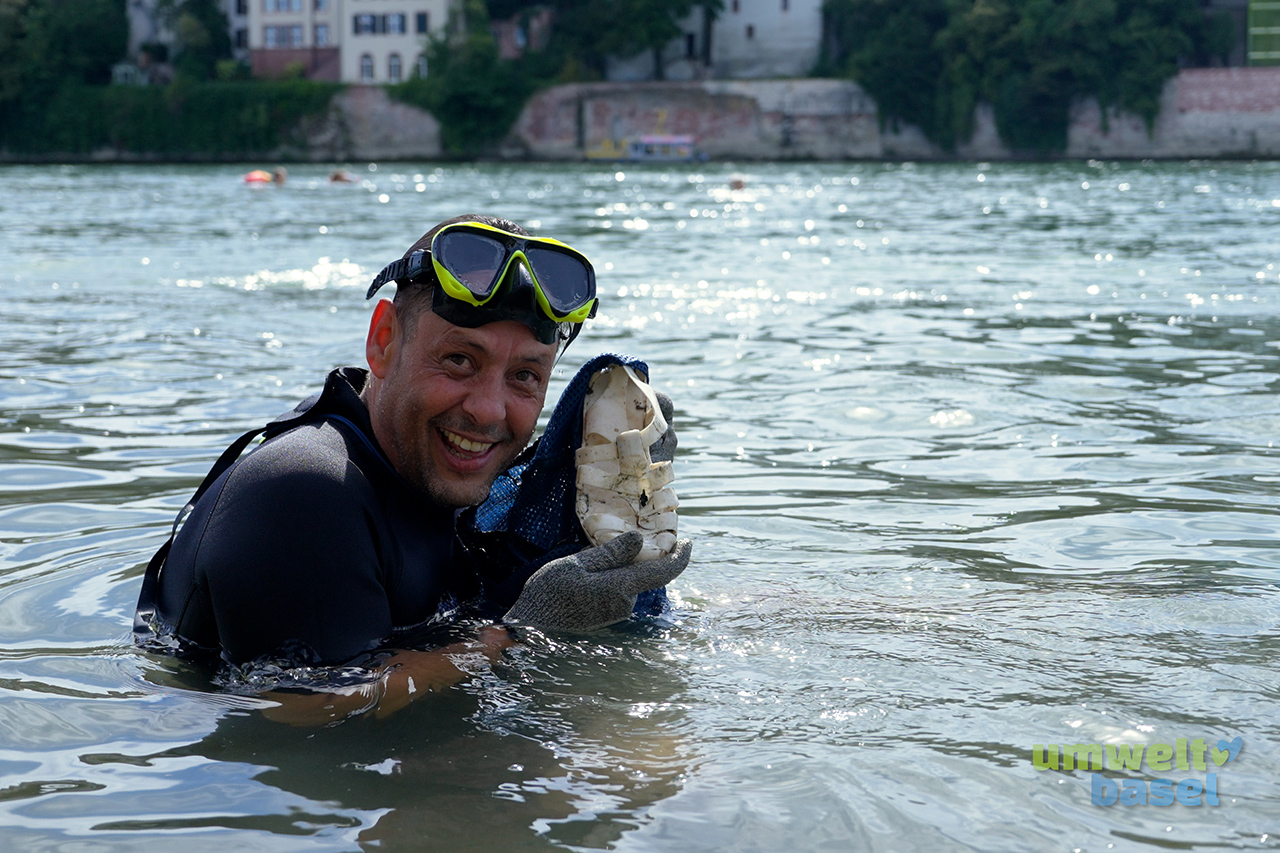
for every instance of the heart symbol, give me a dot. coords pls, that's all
(1227, 750)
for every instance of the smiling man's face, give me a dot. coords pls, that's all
(452, 407)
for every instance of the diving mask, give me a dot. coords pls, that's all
(484, 274)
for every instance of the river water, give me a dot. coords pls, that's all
(975, 457)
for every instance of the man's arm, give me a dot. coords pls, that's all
(293, 560)
(403, 678)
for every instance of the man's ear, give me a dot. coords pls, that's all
(382, 346)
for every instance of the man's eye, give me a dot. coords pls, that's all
(457, 359)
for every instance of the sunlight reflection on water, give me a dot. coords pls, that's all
(975, 456)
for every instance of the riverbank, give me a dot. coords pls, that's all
(1206, 113)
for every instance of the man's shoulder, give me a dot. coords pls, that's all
(319, 438)
(317, 460)
(301, 480)
(319, 451)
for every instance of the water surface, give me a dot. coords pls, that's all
(975, 457)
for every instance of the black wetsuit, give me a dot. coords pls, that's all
(311, 546)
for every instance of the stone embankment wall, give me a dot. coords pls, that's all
(1205, 112)
(729, 119)
(364, 123)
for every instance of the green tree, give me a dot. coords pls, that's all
(473, 92)
(931, 62)
(65, 40)
(887, 46)
(202, 34)
(711, 10)
(588, 32)
(580, 37)
(49, 45)
(12, 30)
(648, 25)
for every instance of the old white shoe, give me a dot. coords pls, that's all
(619, 487)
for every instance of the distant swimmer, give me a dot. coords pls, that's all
(737, 182)
(262, 176)
(341, 176)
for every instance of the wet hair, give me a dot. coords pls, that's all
(411, 300)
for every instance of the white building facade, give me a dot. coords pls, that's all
(749, 39)
(383, 41)
(351, 41)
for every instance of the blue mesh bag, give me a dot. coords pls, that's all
(529, 517)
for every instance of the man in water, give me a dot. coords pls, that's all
(337, 537)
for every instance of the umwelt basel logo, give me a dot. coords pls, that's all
(1197, 758)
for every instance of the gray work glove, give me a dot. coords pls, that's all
(664, 449)
(594, 587)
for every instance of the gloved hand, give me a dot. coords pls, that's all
(664, 449)
(596, 586)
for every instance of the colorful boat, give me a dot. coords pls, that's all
(654, 148)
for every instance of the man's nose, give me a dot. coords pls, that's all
(485, 403)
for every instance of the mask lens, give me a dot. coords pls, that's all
(473, 259)
(565, 279)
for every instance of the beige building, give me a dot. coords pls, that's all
(351, 41)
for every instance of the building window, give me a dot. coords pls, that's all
(786, 4)
(282, 5)
(735, 7)
(322, 35)
(364, 25)
(242, 38)
(366, 68)
(393, 68)
(321, 5)
(422, 65)
(690, 46)
(282, 36)
(751, 31)
(421, 20)
(242, 7)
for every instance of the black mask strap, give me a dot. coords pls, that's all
(405, 269)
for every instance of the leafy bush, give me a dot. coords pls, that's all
(930, 62)
(477, 95)
(184, 119)
(474, 94)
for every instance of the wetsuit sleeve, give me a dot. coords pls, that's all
(289, 558)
